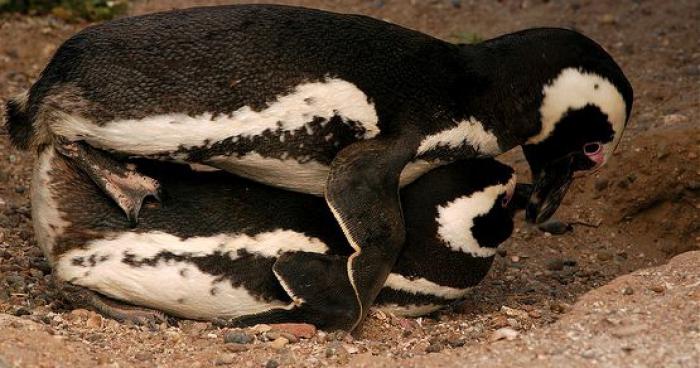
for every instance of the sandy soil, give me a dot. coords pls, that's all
(562, 299)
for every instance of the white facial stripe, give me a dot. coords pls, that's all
(177, 287)
(470, 132)
(48, 221)
(456, 218)
(420, 285)
(166, 133)
(574, 89)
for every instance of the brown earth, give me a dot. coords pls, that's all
(562, 295)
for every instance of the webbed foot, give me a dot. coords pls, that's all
(124, 185)
(80, 297)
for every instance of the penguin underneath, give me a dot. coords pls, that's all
(222, 247)
(339, 105)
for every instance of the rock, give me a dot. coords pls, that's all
(300, 330)
(236, 348)
(279, 343)
(335, 348)
(558, 307)
(78, 314)
(674, 119)
(350, 348)
(604, 256)
(95, 321)
(272, 364)
(501, 251)
(261, 328)
(237, 337)
(224, 359)
(555, 264)
(143, 356)
(272, 335)
(555, 227)
(22, 311)
(292, 339)
(512, 312)
(506, 333)
(607, 19)
(630, 330)
(627, 291)
(601, 183)
(657, 288)
(435, 348)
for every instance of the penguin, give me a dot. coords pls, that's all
(342, 106)
(189, 257)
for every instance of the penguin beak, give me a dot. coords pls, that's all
(551, 184)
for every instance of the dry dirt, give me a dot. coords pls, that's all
(605, 294)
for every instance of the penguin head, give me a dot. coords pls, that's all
(574, 103)
(467, 205)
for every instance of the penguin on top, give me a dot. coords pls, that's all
(344, 106)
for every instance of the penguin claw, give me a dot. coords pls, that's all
(124, 185)
(130, 190)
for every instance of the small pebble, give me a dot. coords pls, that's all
(22, 311)
(630, 330)
(224, 359)
(555, 227)
(435, 348)
(300, 330)
(279, 343)
(604, 256)
(261, 328)
(237, 337)
(627, 291)
(272, 364)
(143, 356)
(555, 264)
(236, 348)
(506, 333)
(657, 288)
(94, 321)
(674, 118)
(601, 183)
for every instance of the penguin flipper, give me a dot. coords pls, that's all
(320, 290)
(362, 192)
(125, 186)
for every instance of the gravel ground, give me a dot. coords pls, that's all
(550, 300)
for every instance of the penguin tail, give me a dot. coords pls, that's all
(17, 122)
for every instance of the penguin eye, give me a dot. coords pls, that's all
(593, 148)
